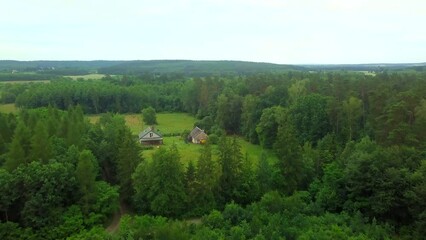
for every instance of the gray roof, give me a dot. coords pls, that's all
(197, 132)
(149, 130)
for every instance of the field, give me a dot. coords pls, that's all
(168, 123)
(8, 108)
(94, 76)
(368, 73)
(175, 123)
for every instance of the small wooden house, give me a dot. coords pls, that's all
(198, 136)
(150, 137)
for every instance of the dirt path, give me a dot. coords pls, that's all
(113, 226)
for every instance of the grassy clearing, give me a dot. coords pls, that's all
(368, 73)
(188, 151)
(167, 122)
(133, 121)
(176, 123)
(191, 152)
(8, 108)
(94, 76)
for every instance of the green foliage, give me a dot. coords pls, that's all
(149, 227)
(40, 144)
(86, 175)
(228, 115)
(263, 174)
(250, 117)
(205, 182)
(352, 108)
(355, 141)
(290, 163)
(310, 118)
(19, 148)
(43, 191)
(106, 202)
(128, 160)
(268, 126)
(149, 116)
(159, 185)
(231, 161)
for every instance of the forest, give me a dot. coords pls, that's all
(343, 156)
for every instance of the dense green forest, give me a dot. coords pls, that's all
(349, 157)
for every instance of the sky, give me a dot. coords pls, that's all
(277, 31)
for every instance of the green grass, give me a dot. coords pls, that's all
(254, 151)
(133, 121)
(191, 152)
(187, 151)
(8, 108)
(176, 123)
(167, 122)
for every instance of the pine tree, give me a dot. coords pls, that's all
(160, 183)
(15, 156)
(206, 179)
(290, 162)
(19, 148)
(86, 175)
(263, 174)
(40, 144)
(190, 184)
(231, 162)
(75, 126)
(128, 160)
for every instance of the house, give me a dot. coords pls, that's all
(197, 136)
(150, 137)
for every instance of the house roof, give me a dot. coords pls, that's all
(149, 130)
(197, 132)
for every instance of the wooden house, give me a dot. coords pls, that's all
(198, 136)
(150, 137)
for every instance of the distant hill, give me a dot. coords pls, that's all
(197, 68)
(368, 67)
(185, 67)
(26, 66)
(181, 67)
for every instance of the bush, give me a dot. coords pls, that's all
(213, 139)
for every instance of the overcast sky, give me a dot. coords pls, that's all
(278, 31)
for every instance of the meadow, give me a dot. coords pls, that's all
(176, 123)
(94, 76)
(168, 123)
(8, 108)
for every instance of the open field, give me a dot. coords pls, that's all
(368, 73)
(176, 123)
(191, 152)
(94, 76)
(8, 108)
(187, 151)
(168, 123)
